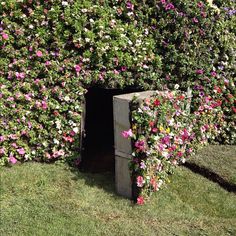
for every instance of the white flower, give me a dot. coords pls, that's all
(176, 86)
(84, 10)
(58, 124)
(87, 40)
(67, 98)
(76, 130)
(55, 141)
(45, 144)
(165, 154)
(64, 3)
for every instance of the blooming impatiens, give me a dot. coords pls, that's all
(164, 133)
(52, 50)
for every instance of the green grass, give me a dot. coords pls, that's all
(43, 199)
(219, 159)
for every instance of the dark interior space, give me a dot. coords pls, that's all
(98, 142)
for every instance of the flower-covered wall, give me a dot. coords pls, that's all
(52, 51)
(164, 134)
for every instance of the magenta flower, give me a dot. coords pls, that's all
(166, 140)
(139, 145)
(140, 181)
(78, 68)
(39, 54)
(169, 6)
(130, 6)
(127, 134)
(21, 151)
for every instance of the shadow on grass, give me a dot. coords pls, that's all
(212, 176)
(103, 179)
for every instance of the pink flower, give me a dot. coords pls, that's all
(200, 4)
(116, 72)
(28, 97)
(21, 151)
(58, 153)
(78, 68)
(61, 152)
(77, 161)
(2, 138)
(154, 184)
(39, 54)
(213, 74)
(123, 68)
(20, 75)
(29, 124)
(140, 181)
(48, 63)
(5, 36)
(140, 200)
(12, 159)
(127, 134)
(14, 145)
(13, 136)
(195, 20)
(44, 105)
(48, 155)
(2, 151)
(142, 165)
(199, 71)
(68, 139)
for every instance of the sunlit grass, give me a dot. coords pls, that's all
(42, 199)
(221, 159)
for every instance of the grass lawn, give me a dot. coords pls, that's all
(42, 199)
(218, 159)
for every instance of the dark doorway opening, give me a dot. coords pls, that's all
(98, 154)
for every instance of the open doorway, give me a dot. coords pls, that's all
(98, 142)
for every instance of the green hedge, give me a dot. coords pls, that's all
(51, 51)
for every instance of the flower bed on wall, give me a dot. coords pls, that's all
(164, 133)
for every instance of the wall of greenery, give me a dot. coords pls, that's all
(52, 51)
